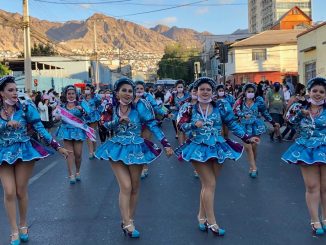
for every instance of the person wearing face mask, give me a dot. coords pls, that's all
(73, 130)
(94, 102)
(158, 111)
(276, 106)
(43, 108)
(287, 93)
(309, 150)
(127, 151)
(299, 97)
(185, 111)
(178, 98)
(106, 110)
(248, 109)
(18, 153)
(227, 98)
(206, 149)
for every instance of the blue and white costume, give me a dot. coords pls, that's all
(177, 102)
(229, 98)
(16, 144)
(157, 109)
(254, 125)
(127, 145)
(94, 104)
(207, 142)
(310, 147)
(67, 131)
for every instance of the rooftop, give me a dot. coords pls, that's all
(270, 37)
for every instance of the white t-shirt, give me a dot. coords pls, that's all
(287, 96)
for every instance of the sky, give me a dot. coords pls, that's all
(214, 16)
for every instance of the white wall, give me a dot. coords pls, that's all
(279, 58)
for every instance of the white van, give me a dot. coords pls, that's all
(166, 83)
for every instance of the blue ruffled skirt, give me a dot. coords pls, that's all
(65, 132)
(142, 153)
(191, 151)
(92, 117)
(301, 154)
(23, 151)
(256, 128)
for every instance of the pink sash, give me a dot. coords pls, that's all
(69, 118)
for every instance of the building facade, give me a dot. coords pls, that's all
(270, 55)
(263, 14)
(57, 72)
(312, 53)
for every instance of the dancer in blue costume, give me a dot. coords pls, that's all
(72, 136)
(94, 103)
(177, 99)
(309, 149)
(146, 133)
(222, 95)
(18, 153)
(184, 108)
(248, 109)
(206, 148)
(128, 151)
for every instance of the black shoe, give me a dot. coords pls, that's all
(288, 139)
(279, 138)
(271, 136)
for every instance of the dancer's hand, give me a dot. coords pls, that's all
(254, 140)
(199, 124)
(277, 125)
(13, 124)
(124, 120)
(64, 152)
(305, 112)
(79, 107)
(168, 151)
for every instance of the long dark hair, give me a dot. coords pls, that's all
(64, 94)
(3, 83)
(298, 88)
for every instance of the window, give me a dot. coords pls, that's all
(259, 54)
(231, 57)
(310, 70)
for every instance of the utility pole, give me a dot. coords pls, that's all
(27, 48)
(96, 75)
(224, 78)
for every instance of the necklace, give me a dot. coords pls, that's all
(7, 113)
(123, 113)
(202, 113)
(71, 105)
(315, 113)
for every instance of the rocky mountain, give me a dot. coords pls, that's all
(188, 37)
(78, 36)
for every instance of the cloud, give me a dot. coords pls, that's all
(85, 6)
(168, 21)
(201, 11)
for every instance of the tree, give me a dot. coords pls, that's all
(178, 63)
(4, 70)
(43, 50)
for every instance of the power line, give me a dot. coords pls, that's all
(74, 3)
(123, 2)
(159, 10)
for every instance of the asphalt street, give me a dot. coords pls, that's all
(268, 210)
